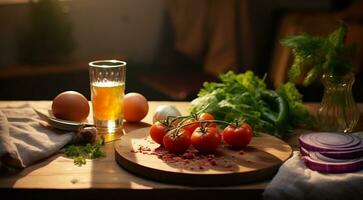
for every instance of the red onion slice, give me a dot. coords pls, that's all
(336, 140)
(303, 151)
(336, 154)
(344, 154)
(321, 163)
(332, 152)
(328, 142)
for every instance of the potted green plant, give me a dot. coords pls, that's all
(329, 59)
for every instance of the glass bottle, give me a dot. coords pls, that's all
(338, 110)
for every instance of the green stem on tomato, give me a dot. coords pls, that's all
(202, 122)
(168, 119)
(180, 117)
(169, 122)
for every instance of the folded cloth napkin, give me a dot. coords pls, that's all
(295, 181)
(24, 140)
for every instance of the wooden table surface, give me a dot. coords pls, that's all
(58, 173)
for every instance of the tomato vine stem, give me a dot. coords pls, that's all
(203, 122)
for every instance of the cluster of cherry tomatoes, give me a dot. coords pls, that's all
(200, 131)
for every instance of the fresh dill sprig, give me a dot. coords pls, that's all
(317, 55)
(81, 153)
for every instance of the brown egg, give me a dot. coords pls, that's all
(70, 105)
(136, 107)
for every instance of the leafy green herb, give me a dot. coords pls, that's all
(242, 97)
(318, 55)
(81, 153)
(79, 160)
(298, 113)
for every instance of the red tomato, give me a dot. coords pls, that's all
(238, 137)
(206, 141)
(158, 131)
(176, 123)
(190, 128)
(207, 116)
(204, 116)
(177, 143)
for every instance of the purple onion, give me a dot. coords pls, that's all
(327, 142)
(321, 163)
(332, 152)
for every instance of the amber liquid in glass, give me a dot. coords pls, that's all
(107, 104)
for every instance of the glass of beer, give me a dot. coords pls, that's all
(107, 82)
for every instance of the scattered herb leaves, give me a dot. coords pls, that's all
(88, 151)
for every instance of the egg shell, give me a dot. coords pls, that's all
(70, 105)
(135, 106)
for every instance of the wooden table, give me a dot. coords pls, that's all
(59, 177)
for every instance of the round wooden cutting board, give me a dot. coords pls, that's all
(137, 153)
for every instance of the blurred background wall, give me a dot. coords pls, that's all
(143, 33)
(101, 28)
